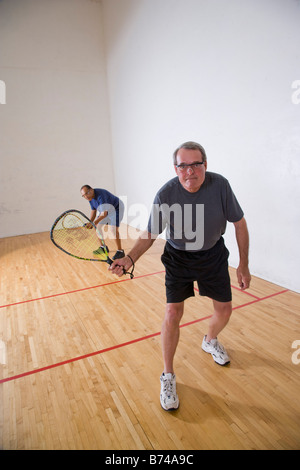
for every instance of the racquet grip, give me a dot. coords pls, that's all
(109, 261)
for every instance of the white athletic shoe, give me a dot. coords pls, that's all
(217, 351)
(168, 396)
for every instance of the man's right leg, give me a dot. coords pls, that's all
(170, 337)
(170, 334)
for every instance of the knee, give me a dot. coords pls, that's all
(224, 309)
(173, 314)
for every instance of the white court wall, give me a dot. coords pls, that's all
(220, 73)
(54, 127)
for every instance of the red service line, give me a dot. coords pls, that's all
(102, 285)
(79, 290)
(122, 345)
(245, 292)
(79, 358)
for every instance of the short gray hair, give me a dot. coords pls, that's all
(190, 146)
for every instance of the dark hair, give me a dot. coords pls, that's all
(190, 146)
(87, 186)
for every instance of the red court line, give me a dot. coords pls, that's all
(260, 299)
(103, 285)
(79, 358)
(94, 353)
(245, 292)
(122, 345)
(79, 290)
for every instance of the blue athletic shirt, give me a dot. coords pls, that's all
(104, 201)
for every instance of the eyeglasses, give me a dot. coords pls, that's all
(184, 166)
(88, 192)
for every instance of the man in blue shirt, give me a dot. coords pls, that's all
(107, 209)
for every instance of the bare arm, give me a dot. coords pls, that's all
(143, 243)
(93, 215)
(99, 218)
(242, 238)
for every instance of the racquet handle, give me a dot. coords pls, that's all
(109, 261)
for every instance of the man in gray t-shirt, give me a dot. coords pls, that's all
(194, 221)
(194, 208)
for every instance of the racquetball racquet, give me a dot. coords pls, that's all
(75, 234)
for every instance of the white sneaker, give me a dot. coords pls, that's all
(217, 351)
(168, 396)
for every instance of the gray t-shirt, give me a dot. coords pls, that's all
(194, 221)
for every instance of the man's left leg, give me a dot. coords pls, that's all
(220, 318)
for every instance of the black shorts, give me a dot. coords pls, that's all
(208, 268)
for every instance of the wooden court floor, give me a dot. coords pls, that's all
(81, 359)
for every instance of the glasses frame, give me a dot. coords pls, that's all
(185, 166)
(88, 192)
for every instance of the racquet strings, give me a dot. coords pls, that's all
(72, 235)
